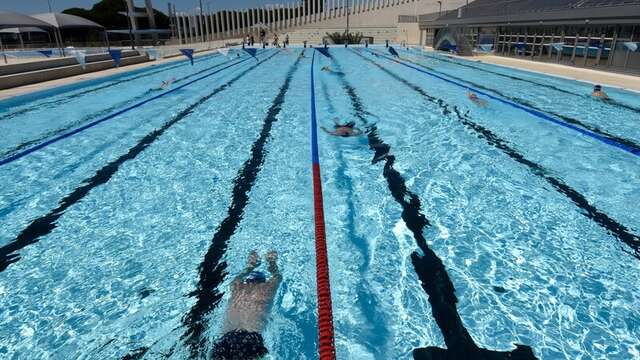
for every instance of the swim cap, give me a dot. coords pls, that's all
(255, 277)
(597, 87)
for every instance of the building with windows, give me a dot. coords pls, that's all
(590, 33)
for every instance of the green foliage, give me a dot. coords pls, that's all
(345, 38)
(106, 14)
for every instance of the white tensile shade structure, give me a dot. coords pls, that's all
(23, 30)
(65, 21)
(9, 19)
(61, 21)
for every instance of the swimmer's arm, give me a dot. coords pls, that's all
(327, 131)
(276, 276)
(357, 132)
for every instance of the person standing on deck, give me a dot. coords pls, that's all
(263, 34)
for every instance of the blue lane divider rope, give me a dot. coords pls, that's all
(34, 148)
(541, 115)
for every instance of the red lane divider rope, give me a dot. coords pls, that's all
(327, 348)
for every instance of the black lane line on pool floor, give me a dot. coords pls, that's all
(523, 102)
(99, 114)
(429, 268)
(213, 270)
(460, 63)
(70, 97)
(136, 354)
(610, 225)
(45, 224)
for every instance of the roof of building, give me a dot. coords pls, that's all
(428, 17)
(550, 11)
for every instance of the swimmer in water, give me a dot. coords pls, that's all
(476, 100)
(165, 84)
(330, 71)
(252, 296)
(598, 93)
(343, 130)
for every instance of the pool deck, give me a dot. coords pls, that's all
(22, 90)
(610, 79)
(604, 78)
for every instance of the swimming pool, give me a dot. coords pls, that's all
(137, 207)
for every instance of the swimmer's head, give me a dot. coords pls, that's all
(255, 277)
(597, 88)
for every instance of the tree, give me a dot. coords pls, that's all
(106, 14)
(345, 38)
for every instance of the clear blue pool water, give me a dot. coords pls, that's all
(535, 223)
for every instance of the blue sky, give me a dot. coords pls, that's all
(40, 6)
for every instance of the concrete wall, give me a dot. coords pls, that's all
(381, 24)
(37, 76)
(389, 16)
(408, 33)
(53, 63)
(315, 35)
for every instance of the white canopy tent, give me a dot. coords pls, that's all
(23, 30)
(60, 21)
(9, 19)
(66, 21)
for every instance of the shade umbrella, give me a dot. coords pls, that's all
(10, 19)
